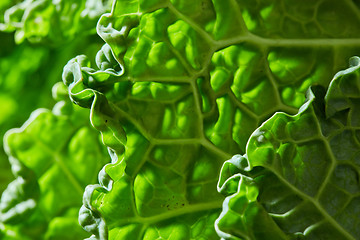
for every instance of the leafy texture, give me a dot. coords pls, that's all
(27, 74)
(300, 177)
(54, 22)
(28, 71)
(53, 156)
(180, 86)
(36, 205)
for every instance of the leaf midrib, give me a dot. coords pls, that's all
(313, 200)
(57, 159)
(192, 208)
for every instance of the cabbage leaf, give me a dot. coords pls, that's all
(29, 70)
(299, 178)
(180, 86)
(51, 22)
(53, 156)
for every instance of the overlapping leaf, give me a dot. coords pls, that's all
(53, 157)
(300, 178)
(180, 86)
(28, 71)
(52, 22)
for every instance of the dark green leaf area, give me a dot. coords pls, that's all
(309, 186)
(307, 19)
(243, 216)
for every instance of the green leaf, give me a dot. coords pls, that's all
(54, 156)
(5, 172)
(190, 82)
(35, 20)
(308, 186)
(27, 73)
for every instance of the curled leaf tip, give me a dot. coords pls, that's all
(354, 61)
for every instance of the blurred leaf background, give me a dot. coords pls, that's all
(37, 39)
(33, 53)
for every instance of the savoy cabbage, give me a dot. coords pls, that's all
(311, 160)
(178, 88)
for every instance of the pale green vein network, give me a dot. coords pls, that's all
(264, 42)
(179, 56)
(57, 159)
(316, 204)
(197, 28)
(240, 19)
(264, 46)
(171, 214)
(304, 196)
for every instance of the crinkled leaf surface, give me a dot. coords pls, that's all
(27, 74)
(53, 156)
(300, 178)
(54, 22)
(180, 86)
(28, 71)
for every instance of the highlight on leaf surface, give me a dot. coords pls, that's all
(50, 22)
(40, 37)
(299, 178)
(53, 156)
(180, 86)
